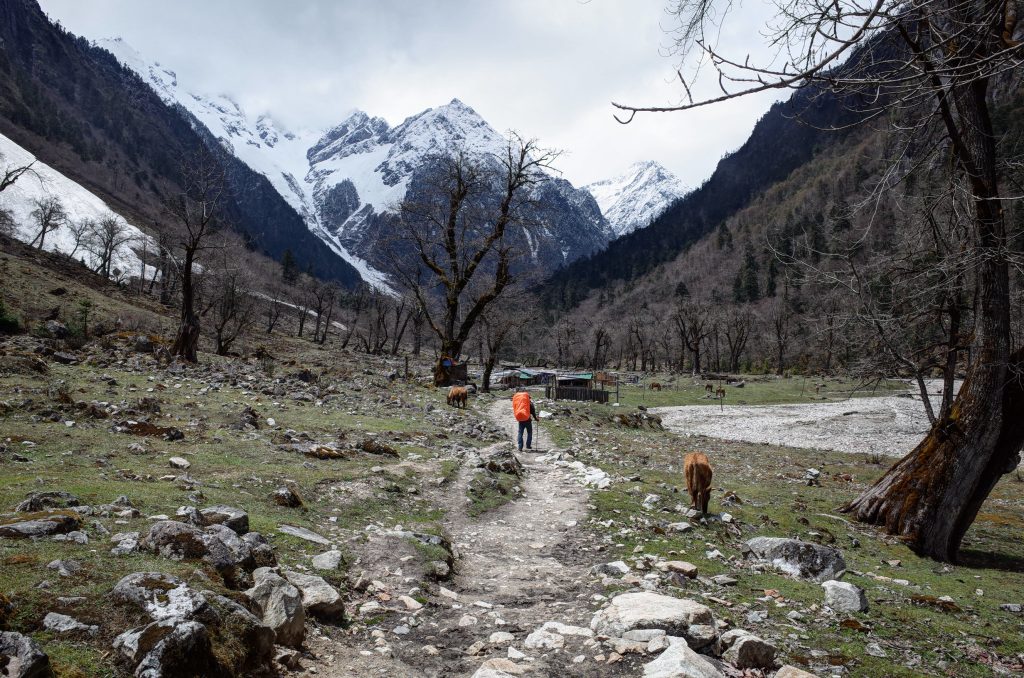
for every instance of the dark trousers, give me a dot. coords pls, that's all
(528, 427)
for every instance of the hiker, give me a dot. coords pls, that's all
(523, 409)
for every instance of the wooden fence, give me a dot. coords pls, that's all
(576, 393)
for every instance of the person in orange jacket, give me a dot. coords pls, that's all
(523, 409)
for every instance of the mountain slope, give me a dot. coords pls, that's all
(81, 112)
(347, 182)
(637, 197)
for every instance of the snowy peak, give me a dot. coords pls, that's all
(637, 197)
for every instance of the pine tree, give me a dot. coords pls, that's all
(289, 267)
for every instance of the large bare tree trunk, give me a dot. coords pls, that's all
(932, 496)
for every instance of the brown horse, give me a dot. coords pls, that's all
(655, 386)
(458, 395)
(697, 470)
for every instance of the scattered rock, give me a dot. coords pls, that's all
(39, 524)
(680, 566)
(501, 459)
(303, 533)
(843, 596)
(788, 671)
(679, 661)
(65, 625)
(746, 651)
(169, 647)
(544, 640)
(648, 610)
(179, 463)
(614, 569)
(328, 560)
(372, 446)
(319, 598)
(21, 657)
(40, 501)
(280, 605)
(798, 558)
(229, 516)
(499, 668)
(160, 595)
(286, 496)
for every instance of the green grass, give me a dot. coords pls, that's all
(775, 502)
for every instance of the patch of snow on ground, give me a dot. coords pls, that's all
(79, 203)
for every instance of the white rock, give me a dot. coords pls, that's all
(543, 640)
(679, 661)
(61, 623)
(843, 596)
(500, 638)
(410, 603)
(648, 610)
(328, 560)
(467, 620)
(566, 630)
(179, 463)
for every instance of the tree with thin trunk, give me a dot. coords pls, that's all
(229, 285)
(48, 215)
(457, 233)
(197, 208)
(929, 66)
(736, 327)
(81, 231)
(107, 239)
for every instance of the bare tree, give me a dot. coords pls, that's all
(108, 237)
(81, 230)
(736, 328)
(229, 288)
(692, 322)
(9, 174)
(457, 232)
(7, 224)
(934, 60)
(273, 303)
(197, 207)
(48, 215)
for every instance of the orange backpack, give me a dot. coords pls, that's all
(521, 406)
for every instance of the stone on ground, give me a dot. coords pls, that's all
(648, 610)
(230, 516)
(499, 668)
(39, 525)
(319, 598)
(679, 661)
(280, 605)
(843, 596)
(21, 657)
(788, 671)
(65, 625)
(328, 560)
(799, 558)
(747, 651)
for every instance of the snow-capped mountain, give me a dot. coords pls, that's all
(347, 181)
(637, 197)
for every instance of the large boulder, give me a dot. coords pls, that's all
(229, 516)
(169, 648)
(280, 605)
(746, 651)
(161, 596)
(843, 596)
(319, 598)
(41, 524)
(799, 558)
(40, 501)
(647, 610)
(255, 648)
(232, 556)
(679, 661)
(21, 657)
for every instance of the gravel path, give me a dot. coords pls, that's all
(890, 425)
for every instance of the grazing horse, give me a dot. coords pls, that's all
(720, 393)
(709, 389)
(458, 395)
(697, 470)
(655, 386)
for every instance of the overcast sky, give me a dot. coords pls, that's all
(546, 68)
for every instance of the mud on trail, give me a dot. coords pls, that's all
(517, 567)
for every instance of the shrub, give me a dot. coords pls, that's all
(8, 323)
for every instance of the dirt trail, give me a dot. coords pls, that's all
(520, 565)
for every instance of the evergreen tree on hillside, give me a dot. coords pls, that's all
(289, 267)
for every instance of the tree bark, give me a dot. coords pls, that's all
(186, 341)
(933, 494)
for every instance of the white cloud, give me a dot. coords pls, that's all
(546, 68)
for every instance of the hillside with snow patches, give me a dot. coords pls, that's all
(347, 180)
(43, 182)
(637, 197)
